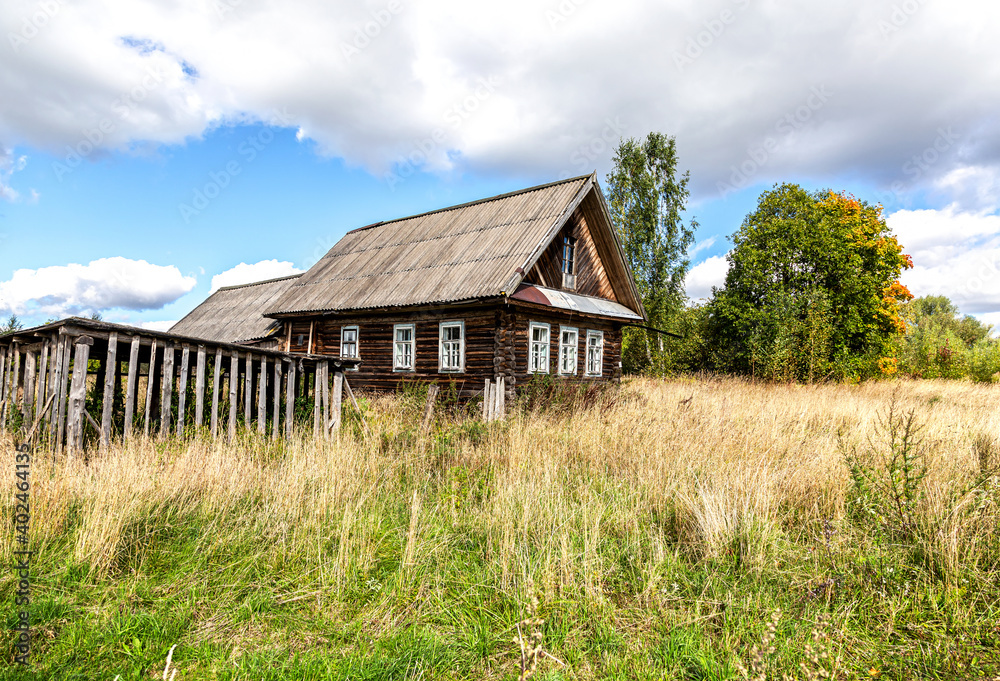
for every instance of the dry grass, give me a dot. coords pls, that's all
(688, 472)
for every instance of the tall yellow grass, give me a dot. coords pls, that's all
(716, 461)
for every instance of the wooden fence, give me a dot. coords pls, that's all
(154, 384)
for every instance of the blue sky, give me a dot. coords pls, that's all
(146, 154)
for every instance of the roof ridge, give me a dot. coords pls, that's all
(477, 201)
(258, 283)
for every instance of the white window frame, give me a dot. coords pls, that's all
(413, 347)
(532, 367)
(599, 335)
(564, 347)
(460, 325)
(357, 343)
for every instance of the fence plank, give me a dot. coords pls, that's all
(167, 389)
(78, 394)
(217, 373)
(130, 386)
(248, 390)
(63, 398)
(150, 372)
(182, 388)
(199, 388)
(336, 401)
(234, 386)
(108, 394)
(262, 397)
(290, 399)
(277, 400)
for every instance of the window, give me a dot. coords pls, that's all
(451, 346)
(402, 356)
(538, 348)
(595, 353)
(569, 337)
(349, 341)
(569, 255)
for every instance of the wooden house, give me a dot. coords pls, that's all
(526, 283)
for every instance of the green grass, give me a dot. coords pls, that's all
(359, 590)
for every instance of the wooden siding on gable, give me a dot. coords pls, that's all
(591, 277)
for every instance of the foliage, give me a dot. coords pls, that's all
(12, 324)
(646, 198)
(942, 343)
(812, 291)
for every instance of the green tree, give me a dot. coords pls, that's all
(812, 290)
(940, 342)
(12, 324)
(646, 198)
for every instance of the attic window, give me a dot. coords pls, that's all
(569, 255)
(569, 263)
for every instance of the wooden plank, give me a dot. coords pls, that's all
(131, 383)
(317, 421)
(217, 373)
(199, 388)
(248, 390)
(182, 389)
(277, 400)
(487, 402)
(150, 372)
(63, 397)
(262, 396)
(290, 399)
(312, 327)
(323, 388)
(78, 395)
(14, 401)
(108, 393)
(336, 402)
(432, 393)
(288, 337)
(43, 378)
(167, 389)
(234, 386)
(28, 400)
(3, 381)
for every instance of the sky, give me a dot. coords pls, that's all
(151, 152)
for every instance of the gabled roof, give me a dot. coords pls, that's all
(467, 252)
(234, 314)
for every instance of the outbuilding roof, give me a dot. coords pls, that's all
(234, 314)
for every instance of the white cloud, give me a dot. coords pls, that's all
(706, 274)
(157, 326)
(108, 283)
(955, 254)
(701, 246)
(10, 164)
(247, 274)
(562, 81)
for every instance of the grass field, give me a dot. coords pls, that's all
(673, 529)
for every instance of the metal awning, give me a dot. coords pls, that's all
(564, 300)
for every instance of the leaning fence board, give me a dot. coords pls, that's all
(277, 399)
(199, 388)
(290, 399)
(487, 401)
(182, 388)
(167, 389)
(3, 378)
(234, 386)
(54, 388)
(130, 385)
(317, 420)
(15, 400)
(108, 396)
(150, 372)
(42, 378)
(78, 392)
(217, 373)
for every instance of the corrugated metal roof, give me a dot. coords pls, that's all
(565, 300)
(234, 314)
(459, 253)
